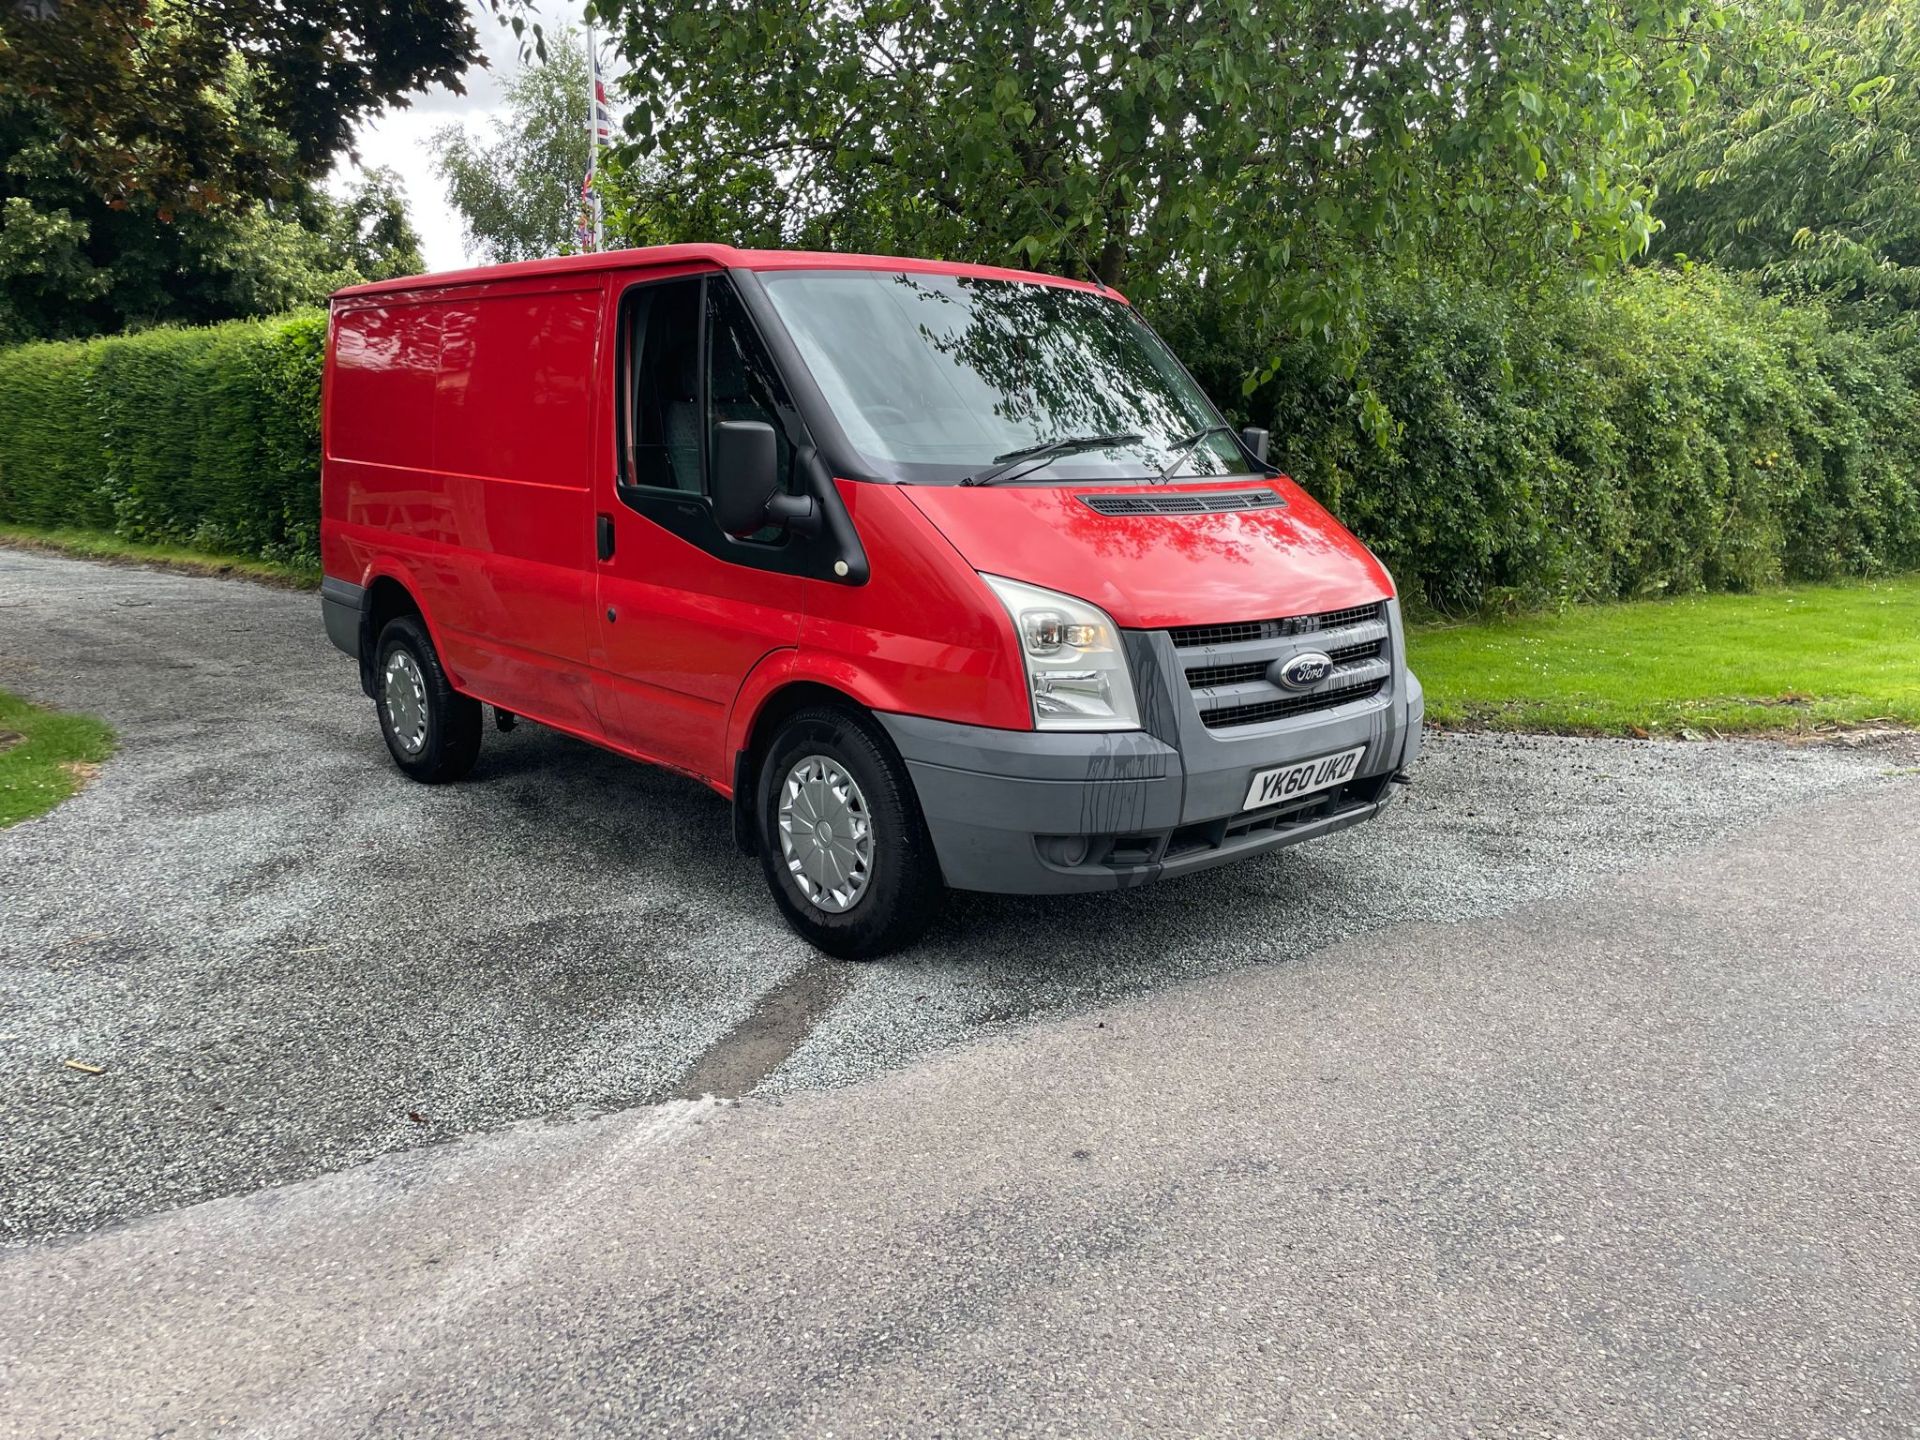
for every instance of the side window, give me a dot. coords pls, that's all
(668, 406)
(660, 386)
(741, 381)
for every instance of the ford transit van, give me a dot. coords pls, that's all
(941, 575)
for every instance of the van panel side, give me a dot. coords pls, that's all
(512, 424)
(515, 385)
(381, 504)
(457, 451)
(385, 360)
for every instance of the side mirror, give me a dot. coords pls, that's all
(1255, 439)
(746, 473)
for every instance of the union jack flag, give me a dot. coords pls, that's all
(602, 116)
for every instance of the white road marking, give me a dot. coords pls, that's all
(333, 1394)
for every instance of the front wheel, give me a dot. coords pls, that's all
(842, 840)
(432, 730)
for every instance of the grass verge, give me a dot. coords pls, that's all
(94, 545)
(44, 757)
(1802, 659)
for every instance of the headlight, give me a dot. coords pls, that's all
(1076, 671)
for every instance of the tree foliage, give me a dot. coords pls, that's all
(517, 187)
(1660, 433)
(1379, 230)
(72, 264)
(1803, 162)
(192, 106)
(1280, 149)
(367, 230)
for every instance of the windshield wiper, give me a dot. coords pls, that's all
(1035, 455)
(1186, 443)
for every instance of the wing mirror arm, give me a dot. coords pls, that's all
(798, 513)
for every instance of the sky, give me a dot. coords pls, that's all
(398, 138)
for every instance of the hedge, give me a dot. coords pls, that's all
(1669, 432)
(207, 437)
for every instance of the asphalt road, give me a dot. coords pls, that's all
(1577, 1096)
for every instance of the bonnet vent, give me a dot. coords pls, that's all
(1204, 502)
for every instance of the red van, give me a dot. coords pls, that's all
(715, 509)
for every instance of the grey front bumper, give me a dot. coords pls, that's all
(1027, 812)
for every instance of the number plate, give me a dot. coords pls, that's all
(1290, 782)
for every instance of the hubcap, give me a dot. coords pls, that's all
(404, 689)
(826, 834)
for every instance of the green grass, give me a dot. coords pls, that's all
(95, 545)
(1805, 658)
(44, 757)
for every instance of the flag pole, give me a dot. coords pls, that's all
(593, 138)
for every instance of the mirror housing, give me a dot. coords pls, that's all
(746, 480)
(1256, 440)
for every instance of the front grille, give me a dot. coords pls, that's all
(1204, 676)
(1265, 710)
(1228, 667)
(1193, 637)
(1204, 502)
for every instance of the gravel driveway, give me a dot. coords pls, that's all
(290, 959)
(1638, 1162)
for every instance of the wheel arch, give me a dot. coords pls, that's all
(388, 597)
(757, 718)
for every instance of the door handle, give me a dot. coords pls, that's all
(603, 536)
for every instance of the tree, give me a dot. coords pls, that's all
(517, 188)
(367, 230)
(1804, 161)
(193, 107)
(1277, 151)
(73, 265)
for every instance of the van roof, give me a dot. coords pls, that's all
(726, 255)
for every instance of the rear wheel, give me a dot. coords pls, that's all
(432, 730)
(842, 840)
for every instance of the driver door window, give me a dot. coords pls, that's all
(691, 360)
(660, 342)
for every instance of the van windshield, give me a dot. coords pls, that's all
(934, 377)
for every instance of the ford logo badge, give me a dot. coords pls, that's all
(1303, 671)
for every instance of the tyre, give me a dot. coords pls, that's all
(842, 839)
(433, 731)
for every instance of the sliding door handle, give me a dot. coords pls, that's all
(603, 536)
